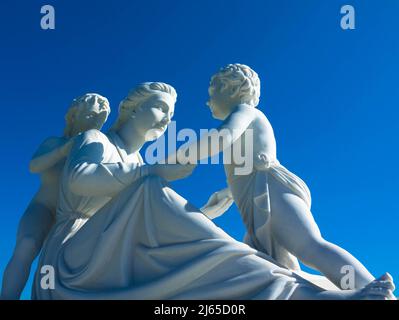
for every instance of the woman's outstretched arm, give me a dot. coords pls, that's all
(88, 175)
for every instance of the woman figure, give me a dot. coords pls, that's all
(89, 111)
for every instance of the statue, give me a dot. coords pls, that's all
(89, 111)
(274, 203)
(122, 233)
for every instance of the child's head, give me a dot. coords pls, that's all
(86, 112)
(233, 85)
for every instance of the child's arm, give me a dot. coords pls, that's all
(48, 154)
(231, 129)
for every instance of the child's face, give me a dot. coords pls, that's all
(220, 99)
(91, 117)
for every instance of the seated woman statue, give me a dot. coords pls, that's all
(89, 111)
(274, 203)
(122, 233)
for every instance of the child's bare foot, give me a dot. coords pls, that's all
(379, 289)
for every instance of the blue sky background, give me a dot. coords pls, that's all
(331, 95)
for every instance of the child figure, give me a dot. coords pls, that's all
(274, 203)
(89, 111)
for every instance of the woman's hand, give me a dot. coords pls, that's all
(171, 172)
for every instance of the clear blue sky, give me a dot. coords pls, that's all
(331, 95)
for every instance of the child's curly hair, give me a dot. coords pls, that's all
(242, 76)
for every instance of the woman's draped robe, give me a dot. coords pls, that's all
(123, 234)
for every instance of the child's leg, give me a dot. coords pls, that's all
(294, 228)
(32, 231)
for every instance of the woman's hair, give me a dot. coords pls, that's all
(243, 77)
(81, 102)
(137, 96)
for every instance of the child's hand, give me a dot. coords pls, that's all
(171, 172)
(218, 203)
(67, 146)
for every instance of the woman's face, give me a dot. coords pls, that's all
(91, 116)
(154, 115)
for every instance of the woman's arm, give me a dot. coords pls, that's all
(50, 152)
(88, 175)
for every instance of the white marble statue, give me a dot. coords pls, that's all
(274, 203)
(122, 233)
(89, 111)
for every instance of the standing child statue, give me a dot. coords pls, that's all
(89, 111)
(274, 203)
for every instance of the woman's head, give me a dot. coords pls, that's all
(89, 111)
(150, 106)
